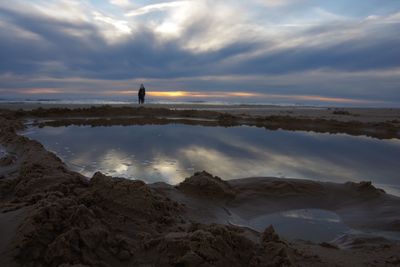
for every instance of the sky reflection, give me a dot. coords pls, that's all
(307, 224)
(2, 152)
(172, 152)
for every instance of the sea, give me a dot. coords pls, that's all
(132, 101)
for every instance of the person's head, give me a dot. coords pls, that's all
(141, 85)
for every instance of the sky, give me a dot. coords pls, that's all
(274, 51)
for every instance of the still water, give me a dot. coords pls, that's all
(172, 152)
(2, 152)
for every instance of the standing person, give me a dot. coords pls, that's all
(141, 94)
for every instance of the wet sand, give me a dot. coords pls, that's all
(350, 114)
(52, 216)
(385, 126)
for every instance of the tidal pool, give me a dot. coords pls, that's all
(169, 153)
(308, 224)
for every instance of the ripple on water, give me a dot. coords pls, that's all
(309, 224)
(3, 152)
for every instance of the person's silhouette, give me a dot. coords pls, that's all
(141, 94)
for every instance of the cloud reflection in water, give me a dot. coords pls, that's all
(172, 152)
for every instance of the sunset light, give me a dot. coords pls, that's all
(297, 51)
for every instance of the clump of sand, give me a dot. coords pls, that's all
(219, 245)
(203, 184)
(110, 221)
(90, 225)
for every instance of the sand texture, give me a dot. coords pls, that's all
(51, 216)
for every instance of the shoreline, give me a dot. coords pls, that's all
(384, 126)
(130, 222)
(362, 114)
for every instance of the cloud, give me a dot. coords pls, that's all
(121, 3)
(287, 47)
(329, 87)
(156, 7)
(278, 3)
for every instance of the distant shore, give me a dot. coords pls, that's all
(377, 123)
(331, 113)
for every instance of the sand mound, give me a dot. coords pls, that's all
(127, 196)
(90, 225)
(111, 221)
(359, 205)
(61, 230)
(218, 245)
(203, 184)
(365, 189)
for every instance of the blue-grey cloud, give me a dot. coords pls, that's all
(182, 44)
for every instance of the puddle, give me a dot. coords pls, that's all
(308, 224)
(169, 153)
(3, 152)
(172, 152)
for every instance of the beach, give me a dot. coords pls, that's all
(199, 133)
(361, 114)
(53, 216)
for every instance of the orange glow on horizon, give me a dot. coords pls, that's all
(170, 94)
(194, 94)
(180, 94)
(177, 94)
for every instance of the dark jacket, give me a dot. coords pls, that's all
(142, 91)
